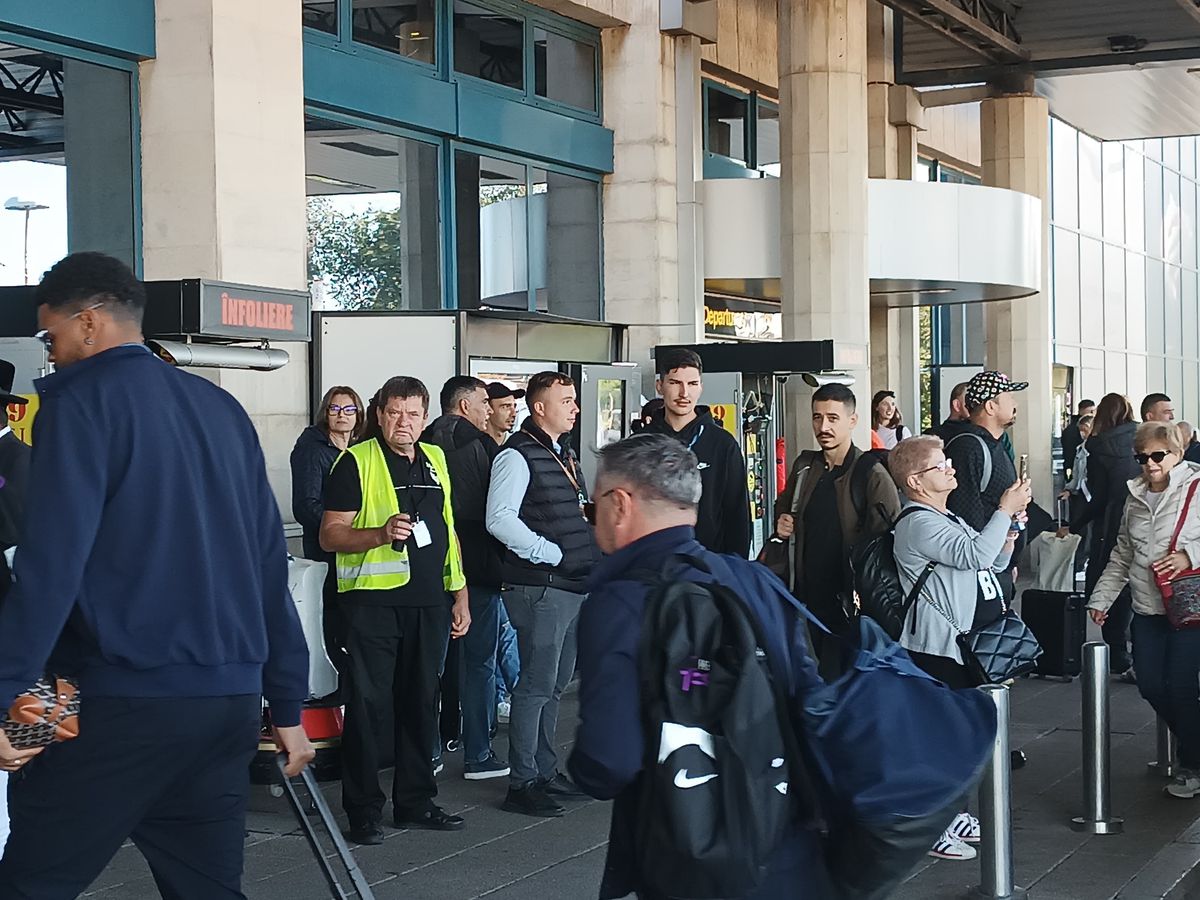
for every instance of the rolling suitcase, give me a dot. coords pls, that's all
(1058, 619)
(359, 886)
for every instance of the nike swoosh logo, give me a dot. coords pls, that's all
(685, 781)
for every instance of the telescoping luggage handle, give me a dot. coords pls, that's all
(360, 887)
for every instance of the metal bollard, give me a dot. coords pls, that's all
(995, 811)
(1164, 764)
(1096, 818)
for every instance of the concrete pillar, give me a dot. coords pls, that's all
(222, 149)
(1014, 136)
(420, 226)
(642, 280)
(823, 125)
(572, 258)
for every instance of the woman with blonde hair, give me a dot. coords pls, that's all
(1167, 661)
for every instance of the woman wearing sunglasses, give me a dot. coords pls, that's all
(1167, 661)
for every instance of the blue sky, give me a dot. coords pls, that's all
(46, 183)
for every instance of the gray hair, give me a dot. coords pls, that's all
(655, 466)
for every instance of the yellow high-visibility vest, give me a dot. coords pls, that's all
(382, 568)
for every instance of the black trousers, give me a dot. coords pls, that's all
(394, 655)
(172, 774)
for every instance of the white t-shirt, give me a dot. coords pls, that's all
(889, 436)
(1153, 498)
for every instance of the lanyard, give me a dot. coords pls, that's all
(408, 506)
(695, 437)
(570, 476)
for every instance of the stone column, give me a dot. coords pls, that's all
(1014, 136)
(222, 147)
(823, 124)
(641, 214)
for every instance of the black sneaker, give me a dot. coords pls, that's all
(491, 767)
(561, 786)
(432, 818)
(531, 801)
(369, 834)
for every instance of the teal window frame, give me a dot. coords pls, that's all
(122, 64)
(449, 205)
(718, 165)
(442, 68)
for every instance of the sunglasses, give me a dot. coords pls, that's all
(941, 466)
(46, 335)
(1158, 456)
(350, 410)
(589, 508)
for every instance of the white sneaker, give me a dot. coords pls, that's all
(503, 710)
(950, 847)
(1186, 784)
(965, 827)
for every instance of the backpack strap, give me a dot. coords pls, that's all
(860, 476)
(986, 478)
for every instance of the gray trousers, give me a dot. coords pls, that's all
(544, 619)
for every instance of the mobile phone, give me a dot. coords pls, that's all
(1023, 468)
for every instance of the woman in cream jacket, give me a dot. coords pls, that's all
(1167, 661)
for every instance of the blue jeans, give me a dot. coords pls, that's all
(478, 662)
(1168, 677)
(507, 659)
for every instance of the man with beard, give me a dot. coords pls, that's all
(723, 516)
(820, 492)
(985, 471)
(502, 411)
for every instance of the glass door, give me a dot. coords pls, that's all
(609, 401)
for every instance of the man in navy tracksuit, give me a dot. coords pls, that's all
(153, 568)
(647, 489)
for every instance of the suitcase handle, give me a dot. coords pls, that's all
(361, 887)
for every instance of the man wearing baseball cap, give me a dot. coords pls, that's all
(985, 471)
(503, 401)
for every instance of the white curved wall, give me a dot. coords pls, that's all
(972, 242)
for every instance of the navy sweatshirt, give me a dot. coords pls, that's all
(153, 556)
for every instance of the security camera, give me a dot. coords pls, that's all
(819, 379)
(219, 356)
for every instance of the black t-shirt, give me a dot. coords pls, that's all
(420, 495)
(824, 574)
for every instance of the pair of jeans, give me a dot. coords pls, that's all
(508, 661)
(478, 656)
(545, 620)
(1168, 677)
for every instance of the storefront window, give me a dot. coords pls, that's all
(726, 129)
(489, 45)
(320, 14)
(767, 139)
(406, 28)
(565, 248)
(66, 161)
(564, 69)
(374, 227)
(491, 221)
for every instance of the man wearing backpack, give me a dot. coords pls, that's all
(647, 492)
(984, 468)
(841, 484)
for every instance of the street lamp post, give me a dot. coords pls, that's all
(25, 206)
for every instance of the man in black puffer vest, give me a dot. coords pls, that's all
(535, 509)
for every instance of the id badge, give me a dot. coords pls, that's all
(421, 535)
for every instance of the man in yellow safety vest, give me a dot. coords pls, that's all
(389, 519)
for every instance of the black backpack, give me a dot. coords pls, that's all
(716, 796)
(876, 580)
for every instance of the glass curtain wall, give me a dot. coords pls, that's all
(1124, 265)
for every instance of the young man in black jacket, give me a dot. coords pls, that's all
(459, 431)
(723, 518)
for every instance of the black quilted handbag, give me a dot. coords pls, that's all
(999, 650)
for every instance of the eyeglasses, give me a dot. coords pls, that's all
(350, 410)
(46, 335)
(1158, 456)
(941, 466)
(589, 508)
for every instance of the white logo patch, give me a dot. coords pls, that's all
(685, 781)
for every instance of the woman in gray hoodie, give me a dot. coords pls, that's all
(961, 589)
